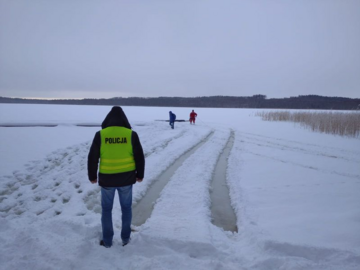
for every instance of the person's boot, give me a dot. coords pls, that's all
(102, 243)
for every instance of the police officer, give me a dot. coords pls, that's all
(122, 164)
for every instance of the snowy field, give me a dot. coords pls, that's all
(295, 193)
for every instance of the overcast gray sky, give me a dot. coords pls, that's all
(150, 48)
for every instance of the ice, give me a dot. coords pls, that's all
(295, 193)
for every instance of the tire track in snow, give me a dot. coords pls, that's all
(182, 211)
(310, 167)
(143, 209)
(349, 154)
(158, 162)
(285, 147)
(222, 212)
(325, 160)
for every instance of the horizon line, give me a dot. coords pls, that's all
(53, 99)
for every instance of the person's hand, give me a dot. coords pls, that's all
(94, 181)
(139, 180)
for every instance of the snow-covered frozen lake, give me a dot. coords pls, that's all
(295, 193)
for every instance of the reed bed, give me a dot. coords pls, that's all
(339, 123)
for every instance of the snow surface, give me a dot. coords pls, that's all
(295, 193)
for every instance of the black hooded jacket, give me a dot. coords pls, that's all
(116, 117)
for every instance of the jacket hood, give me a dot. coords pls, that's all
(116, 117)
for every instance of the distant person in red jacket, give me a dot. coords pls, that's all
(192, 117)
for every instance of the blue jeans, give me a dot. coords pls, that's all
(107, 200)
(172, 125)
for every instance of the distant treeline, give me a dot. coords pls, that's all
(256, 101)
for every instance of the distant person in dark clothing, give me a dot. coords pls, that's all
(122, 164)
(192, 117)
(172, 119)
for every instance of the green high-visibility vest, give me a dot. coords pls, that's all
(116, 153)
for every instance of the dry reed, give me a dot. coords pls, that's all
(340, 123)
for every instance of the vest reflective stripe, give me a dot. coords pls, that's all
(115, 168)
(117, 160)
(116, 153)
